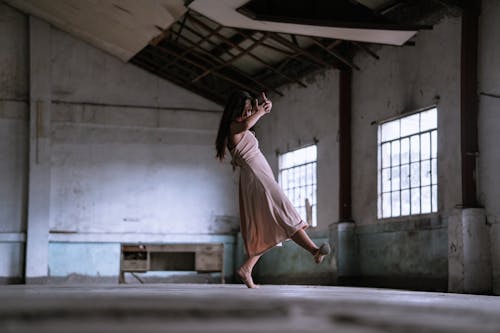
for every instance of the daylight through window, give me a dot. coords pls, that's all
(407, 165)
(297, 177)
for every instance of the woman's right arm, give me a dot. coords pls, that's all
(247, 123)
(242, 126)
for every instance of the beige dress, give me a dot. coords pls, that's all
(267, 216)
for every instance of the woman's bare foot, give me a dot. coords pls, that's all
(321, 253)
(246, 277)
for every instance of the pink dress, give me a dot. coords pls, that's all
(267, 216)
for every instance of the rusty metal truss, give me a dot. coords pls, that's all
(211, 60)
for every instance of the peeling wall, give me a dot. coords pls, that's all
(133, 159)
(406, 79)
(131, 155)
(407, 252)
(131, 152)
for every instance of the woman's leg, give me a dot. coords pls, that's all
(302, 239)
(245, 271)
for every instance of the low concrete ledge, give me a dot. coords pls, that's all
(423, 223)
(79, 237)
(12, 237)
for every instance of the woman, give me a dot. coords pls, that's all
(267, 216)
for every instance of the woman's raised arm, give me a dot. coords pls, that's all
(250, 121)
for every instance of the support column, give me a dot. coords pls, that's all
(345, 86)
(39, 152)
(469, 256)
(342, 233)
(469, 103)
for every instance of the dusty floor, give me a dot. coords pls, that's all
(233, 308)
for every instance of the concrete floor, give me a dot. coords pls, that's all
(233, 308)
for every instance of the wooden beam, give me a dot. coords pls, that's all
(202, 67)
(227, 63)
(294, 47)
(190, 49)
(233, 68)
(145, 64)
(265, 63)
(335, 54)
(366, 49)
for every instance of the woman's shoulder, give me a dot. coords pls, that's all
(235, 139)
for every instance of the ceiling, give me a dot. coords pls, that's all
(213, 55)
(119, 27)
(212, 47)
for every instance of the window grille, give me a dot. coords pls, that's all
(297, 177)
(407, 165)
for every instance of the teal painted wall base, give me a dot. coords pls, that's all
(84, 259)
(99, 262)
(12, 248)
(411, 254)
(291, 264)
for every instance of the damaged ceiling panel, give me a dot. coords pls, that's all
(340, 19)
(119, 27)
(211, 60)
(222, 45)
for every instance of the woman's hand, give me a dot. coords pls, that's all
(265, 106)
(267, 103)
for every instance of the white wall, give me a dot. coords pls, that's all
(132, 155)
(142, 167)
(403, 79)
(489, 125)
(407, 79)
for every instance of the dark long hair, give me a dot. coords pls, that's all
(233, 109)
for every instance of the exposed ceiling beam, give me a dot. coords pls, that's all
(218, 61)
(251, 55)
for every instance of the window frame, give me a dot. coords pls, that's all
(313, 184)
(433, 167)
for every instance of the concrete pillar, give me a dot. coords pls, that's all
(346, 251)
(39, 146)
(469, 256)
(333, 236)
(495, 256)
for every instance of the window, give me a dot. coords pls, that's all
(297, 177)
(407, 165)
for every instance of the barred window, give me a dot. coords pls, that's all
(407, 165)
(297, 177)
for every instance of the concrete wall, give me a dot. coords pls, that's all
(403, 255)
(132, 155)
(489, 123)
(13, 141)
(409, 252)
(134, 162)
(407, 79)
(131, 158)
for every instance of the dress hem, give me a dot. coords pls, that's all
(281, 241)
